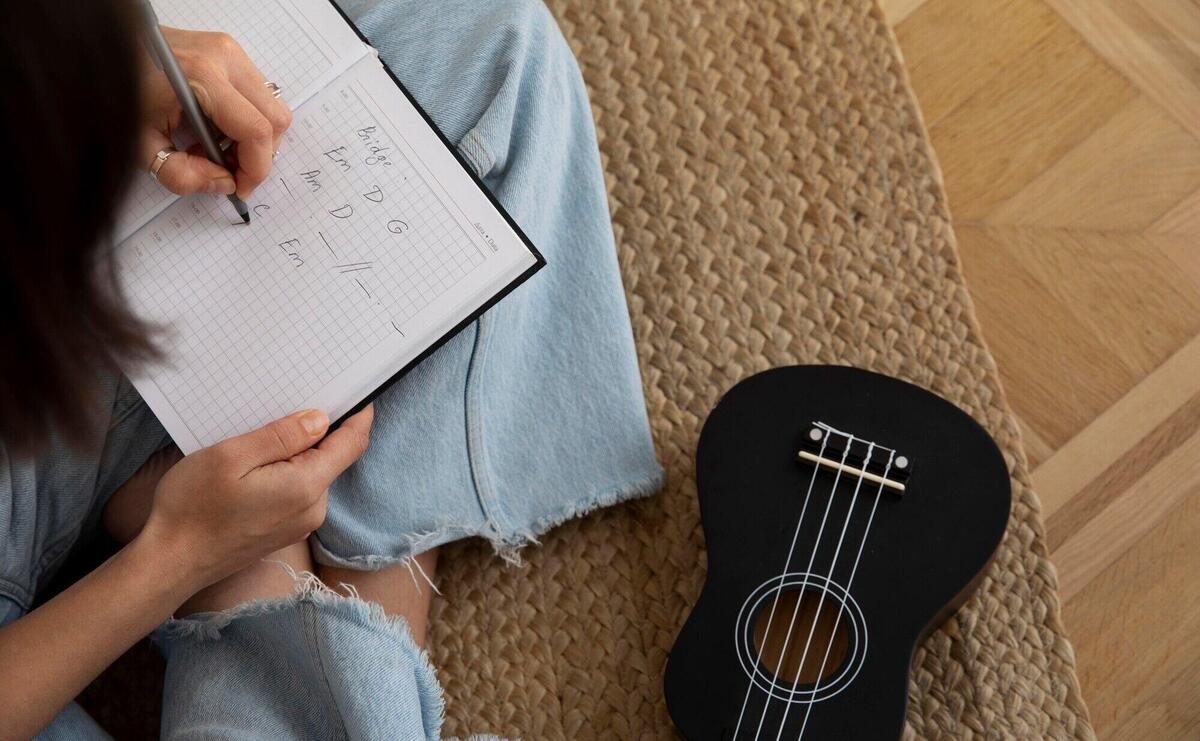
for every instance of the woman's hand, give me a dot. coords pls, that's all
(226, 506)
(236, 98)
(213, 512)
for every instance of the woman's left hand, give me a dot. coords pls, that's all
(234, 95)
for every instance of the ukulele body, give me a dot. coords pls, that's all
(892, 566)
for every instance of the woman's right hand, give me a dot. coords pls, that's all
(226, 506)
(233, 92)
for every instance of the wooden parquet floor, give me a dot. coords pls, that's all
(1069, 135)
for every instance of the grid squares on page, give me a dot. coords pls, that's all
(144, 199)
(270, 35)
(254, 335)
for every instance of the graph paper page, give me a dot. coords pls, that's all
(369, 243)
(301, 45)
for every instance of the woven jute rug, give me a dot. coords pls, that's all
(776, 202)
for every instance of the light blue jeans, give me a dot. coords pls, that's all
(529, 417)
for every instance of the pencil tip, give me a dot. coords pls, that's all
(246, 217)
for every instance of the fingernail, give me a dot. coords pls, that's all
(314, 421)
(220, 185)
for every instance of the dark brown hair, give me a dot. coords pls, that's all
(68, 128)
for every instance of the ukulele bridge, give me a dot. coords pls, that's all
(842, 452)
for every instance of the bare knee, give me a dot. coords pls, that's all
(403, 590)
(270, 578)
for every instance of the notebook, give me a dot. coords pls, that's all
(371, 243)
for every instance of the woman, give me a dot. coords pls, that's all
(529, 417)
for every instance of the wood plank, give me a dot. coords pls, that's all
(1118, 430)
(952, 46)
(1136, 630)
(1169, 713)
(1030, 358)
(1106, 537)
(1074, 321)
(1121, 473)
(1013, 127)
(1120, 287)
(895, 11)
(1108, 29)
(1036, 447)
(1123, 177)
(1183, 218)
(1090, 306)
(1164, 26)
(1184, 251)
(1179, 19)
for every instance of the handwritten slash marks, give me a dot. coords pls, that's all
(353, 267)
(327, 245)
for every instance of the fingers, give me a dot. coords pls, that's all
(185, 173)
(243, 108)
(238, 119)
(233, 93)
(338, 450)
(312, 517)
(278, 441)
(250, 82)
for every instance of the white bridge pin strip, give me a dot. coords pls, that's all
(821, 460)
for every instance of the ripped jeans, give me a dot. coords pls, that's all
(532, 415)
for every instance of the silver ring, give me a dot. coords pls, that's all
(276, 91)
(160, 159)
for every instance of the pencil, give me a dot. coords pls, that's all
(165, 59)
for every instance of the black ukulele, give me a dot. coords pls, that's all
(847, 514)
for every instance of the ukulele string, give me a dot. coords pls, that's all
(849, 583)
(787, 636)
(775, 602)
(812, 629)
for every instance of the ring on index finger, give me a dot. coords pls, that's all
(276, 91)
(160, 159)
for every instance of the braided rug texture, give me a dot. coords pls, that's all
(775, 202)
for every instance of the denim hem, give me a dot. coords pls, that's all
(638, 490)
(418, 543)
(21, 596)
(310, 590)
(506, 545)
(475, 151)
(207, 626)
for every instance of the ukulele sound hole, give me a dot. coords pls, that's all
(786, 668)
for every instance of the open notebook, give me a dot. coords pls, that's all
(371, 243)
